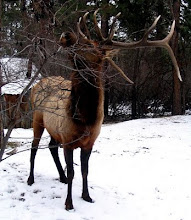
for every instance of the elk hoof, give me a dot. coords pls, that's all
(68, 205)
(63, 179)
(87, 198)
(30, 181)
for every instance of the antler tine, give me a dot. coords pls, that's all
(97, 29)
(171, 53)
(169, 36)
(79, 29)
(85, 26)
(151, 28)
(174, 61)
(112, 30)
(119, 70)
(166, 45)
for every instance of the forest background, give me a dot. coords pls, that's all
(30, 30)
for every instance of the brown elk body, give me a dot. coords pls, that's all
(13, 116)
(72, 111)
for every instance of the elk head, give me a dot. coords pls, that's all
(83, 52)
(95, 52)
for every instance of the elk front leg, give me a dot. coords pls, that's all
(68, 153)
(85, 155)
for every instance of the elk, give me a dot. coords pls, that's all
(72, 110)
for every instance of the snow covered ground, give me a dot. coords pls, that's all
(14, 71)
(139, 170)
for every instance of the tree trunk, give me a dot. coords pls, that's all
(177, 96)
(134, 103)
(1, 97)
(135, 85)
(105, 31)
(25, 21)
(1, 113)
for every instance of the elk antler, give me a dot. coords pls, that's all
(112, 30)
(83, 19)
(118, 69)
(108, 43)
(109, 39)
(85, 26)
(79, 29)
(144, 42)
(158, 43)
(97, 29)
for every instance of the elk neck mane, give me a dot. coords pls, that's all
(87, 90)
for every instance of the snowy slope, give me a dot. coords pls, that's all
(139, 170)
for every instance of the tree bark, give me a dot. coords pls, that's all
(25, 21)
(1, 113)
(105, 31)
(1, 97)
(134, 113)
(177, 96)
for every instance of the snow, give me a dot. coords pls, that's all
(14, 75)
(15, 88)
(139, 170)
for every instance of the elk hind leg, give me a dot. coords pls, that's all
(53, 146)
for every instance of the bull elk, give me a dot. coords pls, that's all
(72, 111)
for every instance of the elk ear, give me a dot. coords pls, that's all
(68, 39)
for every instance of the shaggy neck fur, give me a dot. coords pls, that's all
(87, 92)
